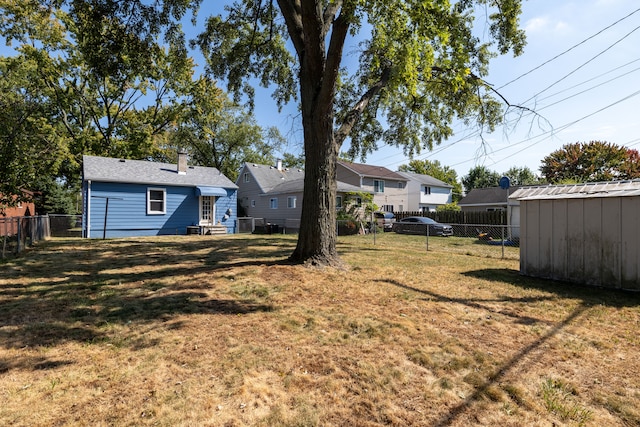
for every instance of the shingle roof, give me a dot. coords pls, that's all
(424, 179)
(274, 181)
(270, 177)
(372, 171)
(486, 196)
(106, 169)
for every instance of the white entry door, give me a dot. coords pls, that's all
(207, 210)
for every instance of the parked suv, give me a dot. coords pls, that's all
(385, 220)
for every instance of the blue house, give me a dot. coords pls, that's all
(124, 198)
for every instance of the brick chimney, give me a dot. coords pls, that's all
(182, 162)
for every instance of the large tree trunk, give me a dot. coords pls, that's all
(317, 239)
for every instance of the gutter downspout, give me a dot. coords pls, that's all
(88, 219)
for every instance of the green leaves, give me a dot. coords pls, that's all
(591, 162)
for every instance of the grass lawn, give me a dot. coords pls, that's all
(221, 331)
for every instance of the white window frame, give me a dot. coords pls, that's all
(253, 203)
(273, 203)
(151, 211)
(246, 177)
(427, 191)
(378, 186)
(339, 202)
(291, 202)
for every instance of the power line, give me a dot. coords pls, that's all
(569, 50)
(563, 127)
(583, 65)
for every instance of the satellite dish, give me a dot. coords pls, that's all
(504, 182)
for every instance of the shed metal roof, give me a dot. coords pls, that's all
(579, 191)
(107, 169)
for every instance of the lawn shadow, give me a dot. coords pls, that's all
(586, 297)
(588, 294)
(67, 290)
(526, 353)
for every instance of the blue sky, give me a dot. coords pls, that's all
(588, 93)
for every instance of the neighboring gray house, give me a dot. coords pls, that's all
(486, 199)
(274, 193)
(584, 233)
(425, 193)
(124, 198)
(388, 188)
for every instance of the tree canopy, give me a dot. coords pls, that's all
(522, 176)
(591, 162)
(421, 66)
(480, 177)
(95, 77)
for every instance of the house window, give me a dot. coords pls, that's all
(207, 204)
(427, 190)
(387, 208)
(246, 177)
(273, 203)
(358, 201)
(253, 203)
(156, 201)
(291, 202)
(378, 186)
(400, 185)
(339, 202)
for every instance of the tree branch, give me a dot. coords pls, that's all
(355, 113)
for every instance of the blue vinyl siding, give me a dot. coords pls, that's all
(127, 214)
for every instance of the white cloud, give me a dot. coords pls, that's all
(544, 24)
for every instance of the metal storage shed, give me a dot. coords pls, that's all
(583, 233)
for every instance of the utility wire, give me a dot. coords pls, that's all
(569, 50)
(583, 65)
(563, 127)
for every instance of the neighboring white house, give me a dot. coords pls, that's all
(425, 193)
(388, 187)
(584, 233)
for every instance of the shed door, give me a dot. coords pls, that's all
(207, 210)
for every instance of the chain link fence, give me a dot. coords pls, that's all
(491, 241)
(18, 233)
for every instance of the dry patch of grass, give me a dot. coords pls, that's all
(201, 330)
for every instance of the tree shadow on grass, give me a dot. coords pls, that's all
(68, 290)
(586, 296)
(589, 295)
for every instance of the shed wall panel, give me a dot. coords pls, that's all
(575, 240)
(532, 242)
(593, 241)
(630, 239)
(559, 239)
(545, 232)
(611, 242)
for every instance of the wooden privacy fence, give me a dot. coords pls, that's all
(460, 217)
